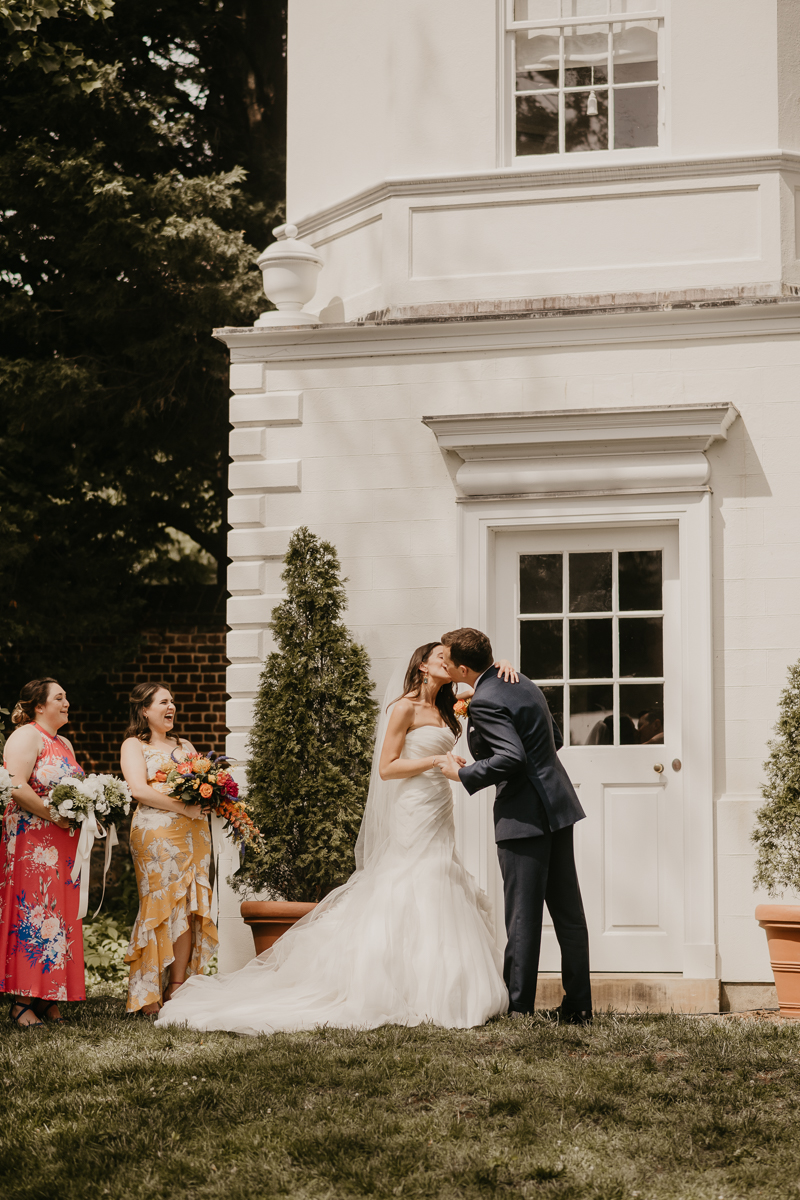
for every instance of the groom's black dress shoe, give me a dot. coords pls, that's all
(574, 1016)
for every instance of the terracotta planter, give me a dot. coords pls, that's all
(781, 923)
(269, 919)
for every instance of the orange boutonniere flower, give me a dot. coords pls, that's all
(206, 790)
(461, 708)
(161, 776)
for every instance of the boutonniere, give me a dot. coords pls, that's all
(461, 707)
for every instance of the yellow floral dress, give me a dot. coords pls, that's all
(171, 857)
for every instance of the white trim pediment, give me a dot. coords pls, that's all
(581, 451)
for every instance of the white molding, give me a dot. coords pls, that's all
(480, 521)
(552, 174)
(544, 330)
(604, 451)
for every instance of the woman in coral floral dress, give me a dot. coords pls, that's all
(174, 935)
(41, 938)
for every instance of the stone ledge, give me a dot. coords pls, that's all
(625, 993)
(747, 997)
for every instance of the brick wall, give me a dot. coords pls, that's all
(191, 661)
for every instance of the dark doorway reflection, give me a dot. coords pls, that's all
(541, 649)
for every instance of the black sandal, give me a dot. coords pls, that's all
(41, 1013)
(15, 1002)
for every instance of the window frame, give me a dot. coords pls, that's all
(507, 155)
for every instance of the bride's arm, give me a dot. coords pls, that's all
(391, 765)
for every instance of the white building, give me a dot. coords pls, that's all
(552, 392)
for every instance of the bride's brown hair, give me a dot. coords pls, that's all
(445, 697)
(141, 698)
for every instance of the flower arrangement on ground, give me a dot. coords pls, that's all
(206, 779)
(76, 799)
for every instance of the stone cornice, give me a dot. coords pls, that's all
(509, 179)
(515, 332)
(580, 451)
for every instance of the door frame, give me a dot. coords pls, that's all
(479, 521)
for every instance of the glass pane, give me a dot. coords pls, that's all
(540, 583)
(535, 10)
(635, 43)
(639, 72)
(590, 649)
(641, 646)
(590, 582)
(591, 715)
(541, 650)
(585, 46)
(537, 60)
(555, 702)
(585, 77)
(639, 580)
(585, 8)
(537, 124)
(642, 709)
(635, 117)
(582, 131)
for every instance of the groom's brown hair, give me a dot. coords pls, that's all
(469, 648)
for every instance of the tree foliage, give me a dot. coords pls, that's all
(777, 829)
(311, 741)
(132, 214)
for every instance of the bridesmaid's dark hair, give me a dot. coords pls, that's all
(445, 697)
(141, 698)
(32, 695)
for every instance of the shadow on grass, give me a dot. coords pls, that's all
(645, 1106)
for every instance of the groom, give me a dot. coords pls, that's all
(513, 739)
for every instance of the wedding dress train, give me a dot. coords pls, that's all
(407, 939)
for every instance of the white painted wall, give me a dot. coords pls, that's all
(374, 483)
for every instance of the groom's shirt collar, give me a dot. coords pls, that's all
(480, 677)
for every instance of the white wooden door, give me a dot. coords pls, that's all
(593, 617)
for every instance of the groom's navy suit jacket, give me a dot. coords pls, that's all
(514, 740)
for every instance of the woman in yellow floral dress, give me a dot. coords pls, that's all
(174, 935)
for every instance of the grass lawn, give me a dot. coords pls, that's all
(651, 1106)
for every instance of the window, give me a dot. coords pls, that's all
(591, 636)
(583, 83)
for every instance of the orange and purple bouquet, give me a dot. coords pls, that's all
(206, 779)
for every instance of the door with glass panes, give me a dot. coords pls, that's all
(592, 616)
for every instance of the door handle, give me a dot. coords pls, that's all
(658, 768)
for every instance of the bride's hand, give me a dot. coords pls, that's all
(462, 762)
(449, 767)
(506, 672)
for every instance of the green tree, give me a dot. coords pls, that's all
(777, 828)
(132, 214)
(311, 742)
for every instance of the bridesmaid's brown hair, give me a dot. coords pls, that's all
(141, 698)
(32, 695)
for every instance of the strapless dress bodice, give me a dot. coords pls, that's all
(428, 739)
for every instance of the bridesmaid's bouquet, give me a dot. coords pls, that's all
(206, 779)
(77, 800)
(5, 787)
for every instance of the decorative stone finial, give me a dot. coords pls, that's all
(290, 269)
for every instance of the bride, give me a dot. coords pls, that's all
(408, 938)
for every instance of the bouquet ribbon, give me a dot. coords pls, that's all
(91, 831)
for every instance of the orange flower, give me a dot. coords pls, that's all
(161, 776)
(183, 768)
(206, 790)
(222, 776)
(201, 764)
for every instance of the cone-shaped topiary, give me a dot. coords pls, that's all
(777, 829)
(312, 737)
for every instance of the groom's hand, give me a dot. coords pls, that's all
(449, 767)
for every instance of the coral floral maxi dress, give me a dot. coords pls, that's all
(41, 938)
(171, 857)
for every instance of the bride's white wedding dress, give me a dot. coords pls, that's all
(407, 939)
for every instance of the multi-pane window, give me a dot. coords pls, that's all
(581, 83)
(591, 636)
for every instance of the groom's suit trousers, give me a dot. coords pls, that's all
(538, 871)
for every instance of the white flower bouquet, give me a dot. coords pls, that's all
(5, 787)
(76, 800)
(85, 803)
